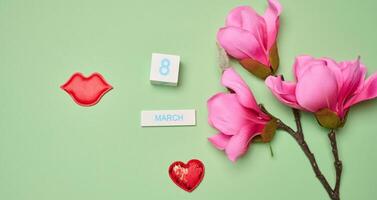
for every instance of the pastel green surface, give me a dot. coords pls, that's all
(51, 148)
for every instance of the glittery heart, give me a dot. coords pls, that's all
(86, 91)
(187, 176)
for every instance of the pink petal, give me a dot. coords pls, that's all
(369, 91)
(283, 91)
(246, 18)
(233, 81)
(271, 16)
(239, 143)
(220, 140)
(242, 44)
(353, 76)
(355, 72)
(227, 114)
(304, 62)
(301, 65)
(317, 88)
(335, 68)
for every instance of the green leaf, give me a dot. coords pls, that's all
(267, 133)
(274, 58)
(258, 69)
(328, 119)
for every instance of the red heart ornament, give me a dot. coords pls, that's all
(86, 91)
(187, 176)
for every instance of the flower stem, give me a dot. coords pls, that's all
(271, 151)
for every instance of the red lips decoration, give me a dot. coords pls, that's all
(187, 176)
(86, 91)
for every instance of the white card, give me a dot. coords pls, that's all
(168, 118)
(164, 69)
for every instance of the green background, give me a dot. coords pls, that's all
(51, 148)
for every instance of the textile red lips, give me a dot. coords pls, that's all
(187, 176)
(86, 91)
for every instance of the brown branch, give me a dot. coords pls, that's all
(337, 163)
(299, 137)
(297, 115)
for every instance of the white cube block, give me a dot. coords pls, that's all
(164, 69)
(168, 118)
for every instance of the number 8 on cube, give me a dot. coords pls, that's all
(164, 69)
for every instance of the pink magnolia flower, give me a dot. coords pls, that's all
(323, 84)
(251, 38)
(236, 115)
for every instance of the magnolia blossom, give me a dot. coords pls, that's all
(324, 84)
(236, 115)
(250, 37)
